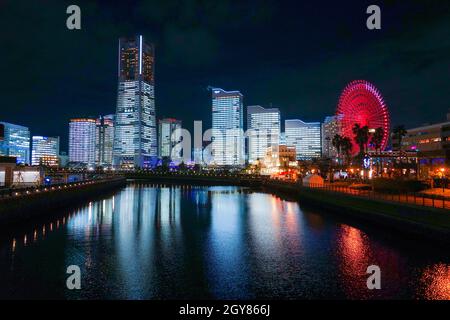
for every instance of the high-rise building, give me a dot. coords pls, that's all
(135, 138)
(330, 128)
(227, 128)
(82, 141)
(104, 140)
(263, 130)
(169, 136)
(45, 151)
(305, 137)
(15, 142)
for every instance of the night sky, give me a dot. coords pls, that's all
(295, 55)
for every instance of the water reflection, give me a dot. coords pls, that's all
(164, 241)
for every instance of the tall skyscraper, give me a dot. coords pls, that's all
(227, 128)
(263, 130)
(15, 142)
(82, 141)
(45, 151)
(104, 140)
(305, 137)
(135, 139)
(168, 138)
(330, 128)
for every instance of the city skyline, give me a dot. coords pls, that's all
(289, 74)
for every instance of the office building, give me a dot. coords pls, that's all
(45, 151)
(135, 137)
(15, 142)
(82, 141)
(227, 128)
(305, 137)
(104, 141)
(330, 128)
(169, 131)
(263, 131)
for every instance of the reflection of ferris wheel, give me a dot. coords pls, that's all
(361, 103)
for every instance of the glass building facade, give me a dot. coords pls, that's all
(330, 128)
(15, 142)
(135, 138)
(305, 137)
(104, 141)
(82, 141)
(227, 128)
(45, 151)
(169, 138)
(263, 131)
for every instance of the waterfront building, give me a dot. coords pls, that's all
(227, 128)
(263, 131)
(279, 158)
(135, 137)
(330, 128)
(104, 141)
(15, 142)
(169, 135)
(82, 141)
(305, 137)
(45, 151)
(432, 144)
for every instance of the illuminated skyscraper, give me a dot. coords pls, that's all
(168, 138)
(227, 128)
(104, 140)
(135, 139)
(15, 142)
(82, 141)
(305, 137)
(330, 128)
(45, 151)
(263, 129)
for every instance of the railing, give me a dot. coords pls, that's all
(407, 197)
(27, 191)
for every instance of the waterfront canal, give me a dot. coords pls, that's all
(156, 242)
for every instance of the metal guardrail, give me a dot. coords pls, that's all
(407, 198)
(22, 192)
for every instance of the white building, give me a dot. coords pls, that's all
(135, 137)
(305, 137)
(82, 141)
(330, 128)
(263, 131)
(45, 151)
(227, 128)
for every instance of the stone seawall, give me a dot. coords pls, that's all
(23, 207)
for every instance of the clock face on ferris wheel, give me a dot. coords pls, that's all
(361, 103)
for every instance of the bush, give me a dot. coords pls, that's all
(385, 185)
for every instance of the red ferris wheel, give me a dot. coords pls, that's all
(361, 103)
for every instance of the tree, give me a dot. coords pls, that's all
(398, 133)
(377, 138)
(337, 143)
(346, 147)
(376, 141)
(361, 137)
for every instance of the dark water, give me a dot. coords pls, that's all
(156, 242)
